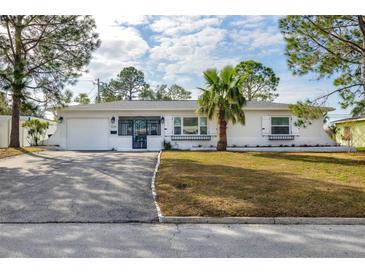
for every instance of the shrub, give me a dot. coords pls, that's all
(167, 145)
(36, 131)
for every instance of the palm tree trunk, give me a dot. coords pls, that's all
(222, 142)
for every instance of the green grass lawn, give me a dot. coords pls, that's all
(261, 184)
(8, 152)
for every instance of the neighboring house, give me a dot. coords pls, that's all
(146, 125)
(351, 131)
(5, 128)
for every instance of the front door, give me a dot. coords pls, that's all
(140, 134)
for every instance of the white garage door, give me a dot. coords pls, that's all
(87, 134)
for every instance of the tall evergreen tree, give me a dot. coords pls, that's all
(164, 93)
(328, 46)
(82, 99)
(128, 84)
(5, 108)
(39, 55)
(259, 83)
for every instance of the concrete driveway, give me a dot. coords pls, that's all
(69, 186)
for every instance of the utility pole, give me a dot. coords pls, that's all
(98, 86)
(98, 83)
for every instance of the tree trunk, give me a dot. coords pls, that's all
(15, 117)
(362, 28)
(222, 142)
(17, 86)
(363, 69)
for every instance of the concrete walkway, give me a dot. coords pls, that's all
(168, 240)
(69, 186)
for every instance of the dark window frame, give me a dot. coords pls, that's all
(129, 126)
(203, 126)
(179, 131)
(279, 127)
(154, 122)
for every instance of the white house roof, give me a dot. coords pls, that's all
(167, 105)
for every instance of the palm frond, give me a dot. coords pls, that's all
(222, 92)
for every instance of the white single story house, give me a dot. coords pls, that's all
(5, 129)
(147, 125)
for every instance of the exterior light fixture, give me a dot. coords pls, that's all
(162, 119)
(112, 120)
(60, 119)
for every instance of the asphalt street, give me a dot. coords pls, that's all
(186, 240)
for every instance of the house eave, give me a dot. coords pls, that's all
(170, 109)
(349, 120)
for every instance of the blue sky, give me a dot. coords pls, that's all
(177, 49)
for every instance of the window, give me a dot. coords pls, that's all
(125, 127)
(280, 125)
(190, 125)
(177, 126)
(153, 127)
(203, 126)
(347, 134)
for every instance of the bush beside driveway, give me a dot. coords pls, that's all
(261, 184)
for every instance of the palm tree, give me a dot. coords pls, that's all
(222, 98)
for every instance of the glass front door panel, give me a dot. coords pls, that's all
(140, 134)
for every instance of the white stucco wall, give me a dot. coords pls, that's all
(250, 134)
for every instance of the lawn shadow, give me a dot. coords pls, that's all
(311, 158)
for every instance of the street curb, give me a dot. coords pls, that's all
(264, 220)
(153, 188)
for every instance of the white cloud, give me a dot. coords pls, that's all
(259, 38)
(173, 25)
(186, 46)
(121, 46)
(125, 43)
(180, 47)
(248, 22)
(133, 20)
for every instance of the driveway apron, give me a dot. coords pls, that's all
(69, 186)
